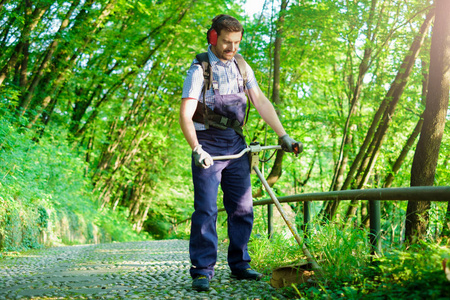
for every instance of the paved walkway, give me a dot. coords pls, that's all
(138, 270)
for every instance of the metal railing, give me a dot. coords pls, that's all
(418, 193)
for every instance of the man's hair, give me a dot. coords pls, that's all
(226, 22)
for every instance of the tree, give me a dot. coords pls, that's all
(368, 152)
(109, 74)
(277, 166)
(427, 151)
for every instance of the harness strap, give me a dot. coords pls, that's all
(242, 67)
(208, 116)
(206, 67)
(243, 70)
(217, 121)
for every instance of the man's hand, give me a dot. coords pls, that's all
(288, 144)
(202, 159)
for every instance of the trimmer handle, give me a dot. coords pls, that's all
(298, 148)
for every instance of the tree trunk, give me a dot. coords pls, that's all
(277, 54)
(331, 207)
(116, 135)
(1, 3)
(401, 158)
(23, 80)
(377, 130)
(274, 174)
(26, 99)
(127, 77)
(30, 23)
(276, 171)
(363, 68)
(372, 152)
(69, 61)
(412, 138)
(392, 97)
(66, 58)
(427, 151)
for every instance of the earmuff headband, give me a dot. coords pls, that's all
(212, 33)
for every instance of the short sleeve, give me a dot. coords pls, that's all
(193, 84)
(251, 79)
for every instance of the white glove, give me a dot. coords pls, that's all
(202, 159)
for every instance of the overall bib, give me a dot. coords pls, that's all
(234, 178)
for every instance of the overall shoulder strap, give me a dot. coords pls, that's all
(203, 59)
(242, 67)
(243, 70)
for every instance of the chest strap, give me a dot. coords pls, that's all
(216, 120)
(203, 114)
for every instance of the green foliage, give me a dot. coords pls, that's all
(110, 95)
(268, 254)
(341, 251)
(416, 272)
(45, 197)
(117, 71)
(350, 272)
(115, 225)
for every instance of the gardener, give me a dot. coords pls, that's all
(216, 129)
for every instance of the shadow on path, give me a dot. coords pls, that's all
(137, 270)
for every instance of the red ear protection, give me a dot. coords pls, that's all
(212, 37)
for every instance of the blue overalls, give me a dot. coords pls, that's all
(234, 178)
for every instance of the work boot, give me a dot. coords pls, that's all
(200, 283)
(249, 274)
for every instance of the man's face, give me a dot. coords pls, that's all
(227, 45)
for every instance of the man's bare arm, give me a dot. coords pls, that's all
(187, 110)
(266, 110)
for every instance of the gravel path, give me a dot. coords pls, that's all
(138, 270)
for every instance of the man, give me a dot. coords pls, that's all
(217, 130)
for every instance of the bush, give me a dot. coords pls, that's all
(349, 271)
(45, 197)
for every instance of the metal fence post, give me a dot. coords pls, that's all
(375, 226)
(306, 217)
(269, 220)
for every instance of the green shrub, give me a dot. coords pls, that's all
(45, 196)
(350, 272)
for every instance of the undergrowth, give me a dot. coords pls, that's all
(350, 272)
(46, 197)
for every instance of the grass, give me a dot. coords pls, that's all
(351, 273)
